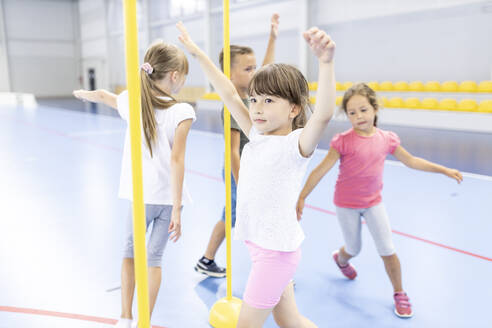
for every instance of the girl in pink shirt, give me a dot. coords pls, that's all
(362, 151)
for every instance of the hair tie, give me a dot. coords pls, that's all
(147, 68)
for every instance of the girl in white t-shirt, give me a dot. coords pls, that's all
(273, 164)
(165, 126)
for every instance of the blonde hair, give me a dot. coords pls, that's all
(235, 51)
(364, 90)
(164, 58)
(286, 82)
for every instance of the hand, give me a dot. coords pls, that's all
(299, 208)
(175, 225)
(80, 94)
(321, 44)
(274, 25)
(186, 40)
(454, 174)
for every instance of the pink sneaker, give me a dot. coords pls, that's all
(348, 270)
(403, 308)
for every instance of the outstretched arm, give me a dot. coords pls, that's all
(270, 52)
(315, 177)
(324, 48)
(221, 83)
(423, 165)
(98, 96)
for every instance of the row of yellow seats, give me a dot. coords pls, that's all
(465, 105)
(418, 86)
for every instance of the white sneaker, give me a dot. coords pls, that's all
(134, 324)
(124, 323)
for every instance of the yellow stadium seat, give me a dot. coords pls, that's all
(386, 86)
(373, 85)
(211, 96)
(416, 86)
(433, 86)
(448, 104)
(449, 86)
(396, 102)
(339, 86)
(412, 103)
(485, 106)
(468, 105)
(312, 100)
(468, 86)
(485, 86)
(313, 86)
(429, 103)
(400, 86)
(339, 100)
(347, 85)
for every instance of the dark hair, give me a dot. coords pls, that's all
(364, 90)
(235, 50)
(286, 82)
(164, 58)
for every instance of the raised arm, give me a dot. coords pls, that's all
(315, 177)
(270, 52)
(324, 48)
(423, 165)
(98, 96)
(221, 83)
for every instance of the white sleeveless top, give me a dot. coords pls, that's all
(270, 180)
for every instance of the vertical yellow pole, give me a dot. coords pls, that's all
(227, 139)
(133, 83)
(225, 312)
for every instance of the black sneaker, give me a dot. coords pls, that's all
(210, 268)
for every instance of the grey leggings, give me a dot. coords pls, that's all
(378, 223)
(160, 216)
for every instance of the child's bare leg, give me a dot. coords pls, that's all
(393, 269)
(127, 287)
(250, 317)
(343, 256)
(286, 314)
(155, 277)
(216, 239)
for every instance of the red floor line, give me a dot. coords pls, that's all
(61, 315)
(442, 245)
(414, 237)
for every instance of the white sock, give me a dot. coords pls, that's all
(124, 323)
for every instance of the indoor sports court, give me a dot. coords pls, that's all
(62, 227)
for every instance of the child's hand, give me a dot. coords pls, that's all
(299, 208)
(80, 94)
(321, 44)
(274, 25)
(454, 174)
(175, 225)
(186, 40)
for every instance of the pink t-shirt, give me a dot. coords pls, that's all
(360, 179)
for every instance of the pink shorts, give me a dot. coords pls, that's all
(271, 272)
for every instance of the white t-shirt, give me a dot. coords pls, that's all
(156, 169)
(270, 180)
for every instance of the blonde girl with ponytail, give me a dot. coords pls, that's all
(165, 127)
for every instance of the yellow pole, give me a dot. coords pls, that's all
(227, 139)
(133, 83)
(225, 312)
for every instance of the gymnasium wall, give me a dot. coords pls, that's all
(377, 40)
(41, 47)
